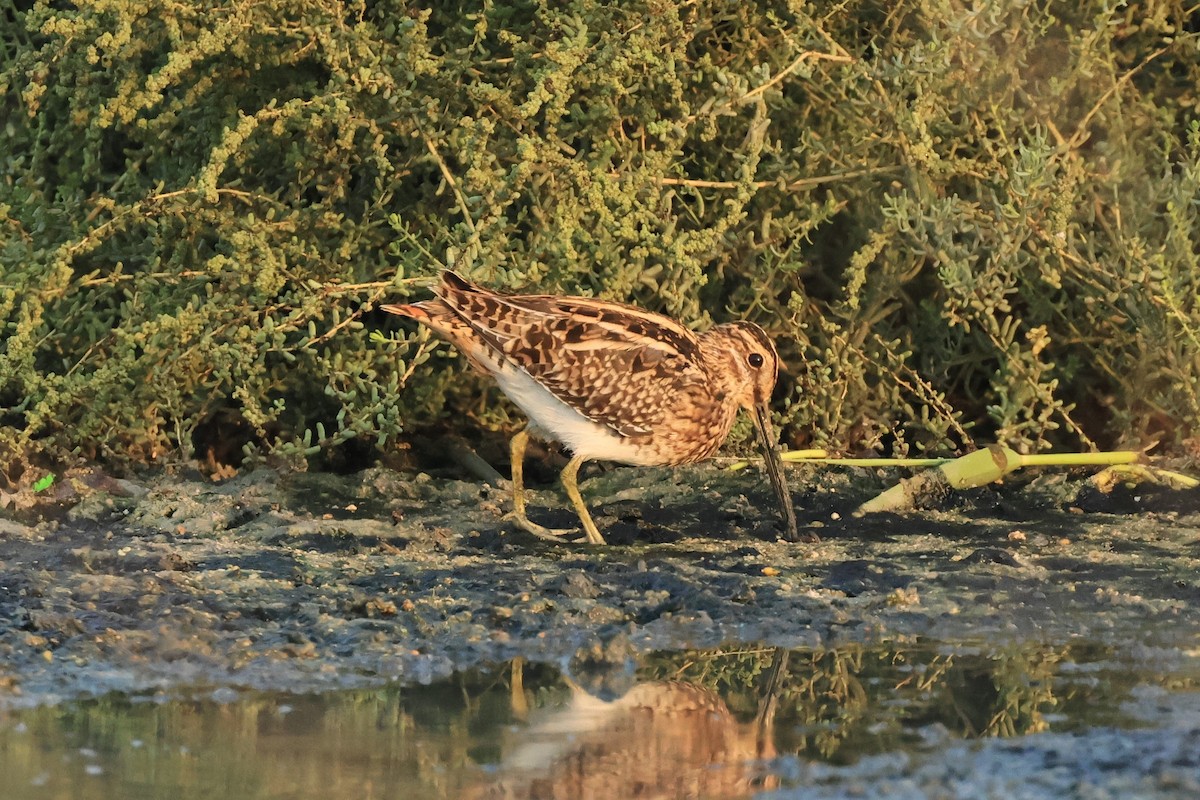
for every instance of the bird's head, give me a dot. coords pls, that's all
(751, 363)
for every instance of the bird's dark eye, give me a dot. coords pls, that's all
(755, 359)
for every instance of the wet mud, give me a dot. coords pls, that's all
(315, 583)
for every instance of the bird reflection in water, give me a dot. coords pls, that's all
(662, 739)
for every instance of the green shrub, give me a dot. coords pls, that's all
(960, 220)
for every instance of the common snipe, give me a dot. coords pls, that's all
(610, 381)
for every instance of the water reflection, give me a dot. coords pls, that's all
(698, 723)
(662, 738)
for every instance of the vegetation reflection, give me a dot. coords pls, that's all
(706, 723)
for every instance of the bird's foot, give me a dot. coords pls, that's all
(559, 535)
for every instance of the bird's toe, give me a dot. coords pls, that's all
(559, 535)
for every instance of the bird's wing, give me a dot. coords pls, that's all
(616, 364)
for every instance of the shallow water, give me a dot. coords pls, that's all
(729, 722)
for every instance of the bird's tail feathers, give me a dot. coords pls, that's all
(411, 310)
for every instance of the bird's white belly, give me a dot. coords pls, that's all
(554, 419)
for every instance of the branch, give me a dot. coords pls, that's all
(805, 56)
(799, 183)
(462, 201)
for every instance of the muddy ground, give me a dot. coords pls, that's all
(172, 585)
(312, 581)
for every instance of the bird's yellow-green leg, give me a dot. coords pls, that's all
(570, 482)
(517, 516)
(517, 458)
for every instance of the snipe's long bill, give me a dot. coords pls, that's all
(610, 382)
